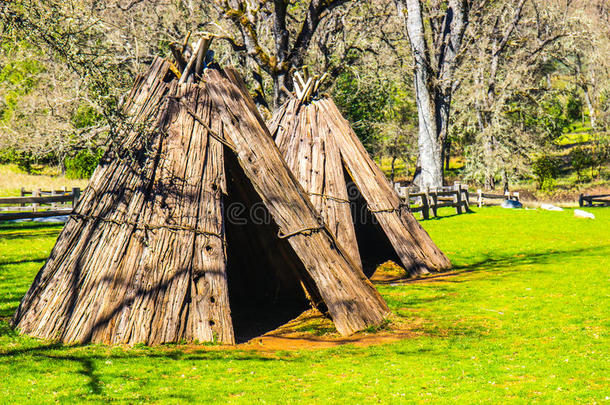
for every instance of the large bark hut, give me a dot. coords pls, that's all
(148, 255)
(327, 157)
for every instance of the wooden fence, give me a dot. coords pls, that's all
(594, 200)
(481, 197)
(456, 196)
(38, 204)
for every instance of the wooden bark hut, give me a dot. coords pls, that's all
(192, 229)
(347, 188)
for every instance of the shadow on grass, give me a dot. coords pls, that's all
(31, 226)
(497, 266)
(30, 235)
(88, 360)
(33, 260)
(441, 216)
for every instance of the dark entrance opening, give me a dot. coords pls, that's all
(374, 246)
(263, 271)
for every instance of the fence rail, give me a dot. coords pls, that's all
(593, 200)
(456, 196)
(481, 196)
(41, 204)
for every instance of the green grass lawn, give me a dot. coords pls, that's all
(524, 318)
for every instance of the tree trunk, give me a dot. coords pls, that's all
(590, 107)
(281, 80)
(430, 149)
(447, 153)
(584, 85)
(281, 84)
(433, 79)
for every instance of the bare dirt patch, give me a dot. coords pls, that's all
(311, 330)
(391, 273)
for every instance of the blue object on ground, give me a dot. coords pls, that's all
(511, 204)
(60, 219)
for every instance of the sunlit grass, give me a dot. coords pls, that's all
(523, 318)
(12, 179)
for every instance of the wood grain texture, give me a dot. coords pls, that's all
(143, 258)
(298, 128)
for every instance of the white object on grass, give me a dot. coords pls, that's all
(550, 207)
(583, 214)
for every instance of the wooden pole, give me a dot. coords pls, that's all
(75, 196)
(426, 204)
(35, 193)
(466, 199)
(458, 198)
(53, 193)
(434, 205)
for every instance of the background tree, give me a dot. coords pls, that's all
(294, 25)
(504, 95)
(505, 80)
(435, 30)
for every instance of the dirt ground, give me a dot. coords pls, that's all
(312, 330)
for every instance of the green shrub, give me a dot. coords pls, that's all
(23, 160)
(82, 165)
(581, 159)
(574, 108)
(546, 169)
(85, 116)
(363, 104)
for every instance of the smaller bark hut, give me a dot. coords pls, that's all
(347, 188)
(192, 229)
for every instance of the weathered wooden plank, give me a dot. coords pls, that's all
(9, 216)
(38, 200)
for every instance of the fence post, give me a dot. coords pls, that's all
(466, 199)
(425, 212)
(35, 193)
(53, 193)
(580, 200)
(480, 197)
(430, 199)
(75, 196)
(434, 205)
(402, 191)
(23, 195)
(408, 198)
(457, 199)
